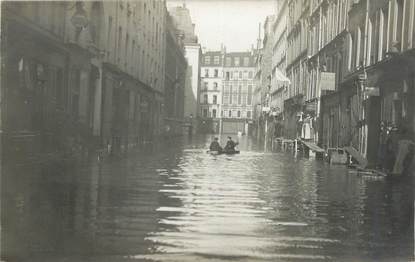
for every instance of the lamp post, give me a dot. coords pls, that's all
(79, 19)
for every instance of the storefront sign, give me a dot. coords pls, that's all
(327, 81)
(311, 107)
(372, 91)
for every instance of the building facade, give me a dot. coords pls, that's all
(51, 78)
(297, 69)
(372, 102)
(101, 66)
(193, 54)
(279, 82)
(327, 48)
(133, 81)
(175, 78)
(237, 96)
(211, 91)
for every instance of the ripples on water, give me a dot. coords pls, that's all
(186, 205)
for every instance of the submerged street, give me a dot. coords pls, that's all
(179, 203)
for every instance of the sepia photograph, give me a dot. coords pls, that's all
(207, 131)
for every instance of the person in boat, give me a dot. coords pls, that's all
(230, 145)
(215, 146)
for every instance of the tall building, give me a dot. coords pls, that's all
(211, 90)
(226, 96)
(297, 69)
(175, 78)
(193, 54)
(133, 72)
(327, 49)
(100, 64)
(376, 88)
(279, 82)
(237, 96)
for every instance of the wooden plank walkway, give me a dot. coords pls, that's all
(357, 156)
(313, 147)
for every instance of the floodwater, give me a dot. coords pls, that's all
(179, 203)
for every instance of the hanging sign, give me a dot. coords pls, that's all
(327, 81)
(372, 91)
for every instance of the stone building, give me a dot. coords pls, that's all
(378, 84)
(133, 81)
(193, 54)
(175, 70)
(327, 49)
(279, 81)
(51, 77)
(100, 67)
(237, 96)
(297, 68)
(211, 91)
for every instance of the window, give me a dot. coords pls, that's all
(109, 32)
(133, 53)
(250, 74)
(351, 51)
(374, 22)
(206, 72)
(207, 60)
(239, 95)
(399, 26)
(216, 73)
(236, 61)
(361, 41)
(230, 113)
(246, 61)
(215, 99)
(383, 36)
(239, 113)
(249, 95)
(205, 99)
(240, 74)
(119, 40)
(230, 95)
(205, 112)
(221, 114)
(225, 95)
(227, 75)
(127, 39)
(215, 86)
(216, 60)
(248, 114)
(228, 61)
(205, 85)
(214, 113)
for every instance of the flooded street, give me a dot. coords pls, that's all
(179, 203)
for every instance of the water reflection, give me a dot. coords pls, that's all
(181, 204)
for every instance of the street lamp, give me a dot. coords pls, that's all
(79, 18)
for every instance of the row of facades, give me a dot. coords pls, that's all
(350, 66)
(77, 76)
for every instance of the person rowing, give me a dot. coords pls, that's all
(215, 146)
(230, 145)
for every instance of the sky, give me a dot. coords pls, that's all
(231, 22)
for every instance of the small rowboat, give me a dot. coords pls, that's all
(223, 152)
